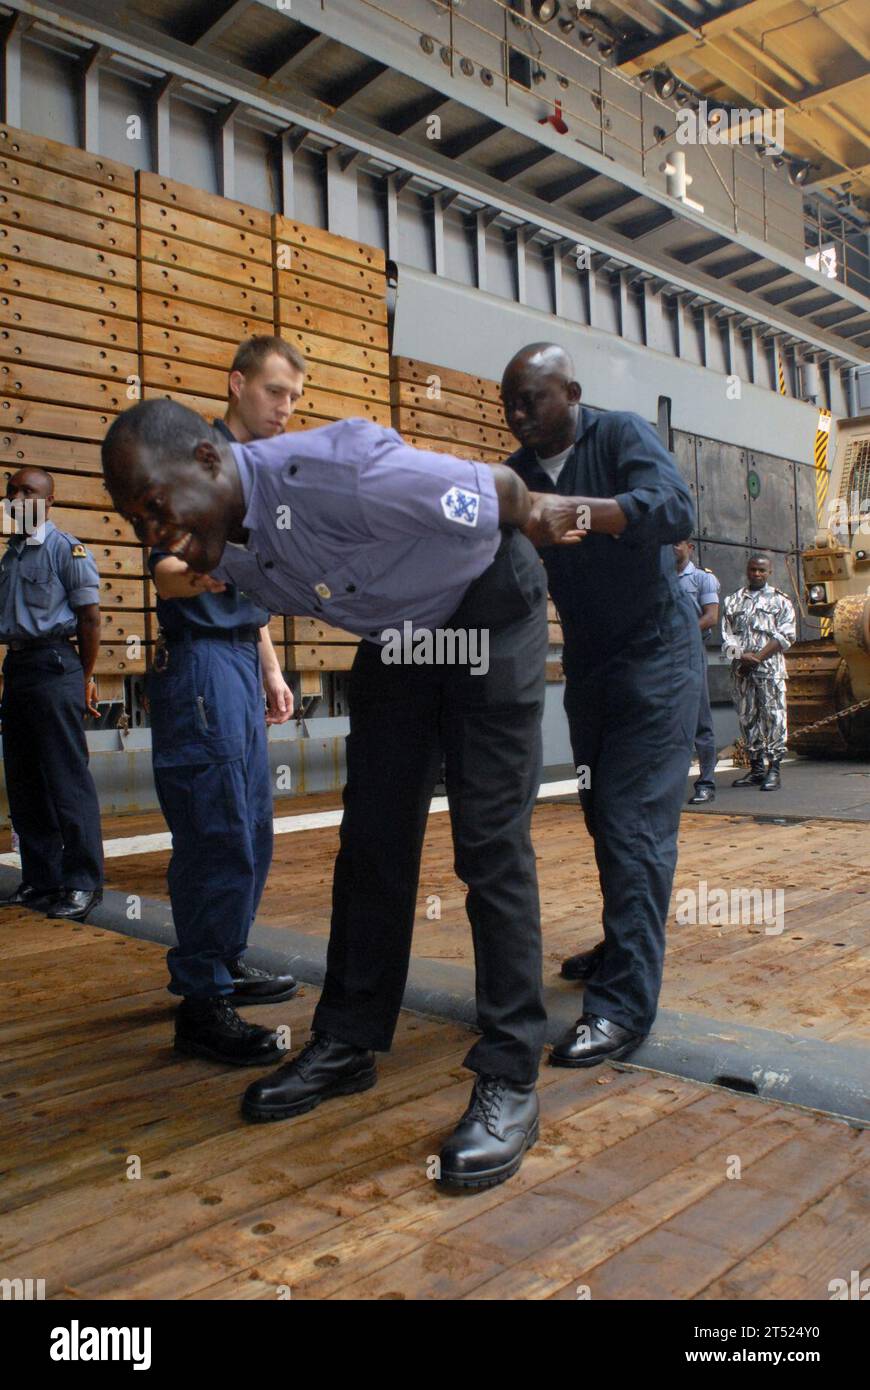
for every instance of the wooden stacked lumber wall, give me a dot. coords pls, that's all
(117, 285)
(69, 354)
(457, 413)
(331, 303)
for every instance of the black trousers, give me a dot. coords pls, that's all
(403, 718)
(52, 798)
(632, 721)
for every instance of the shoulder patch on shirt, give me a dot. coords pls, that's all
(461, 505)
(79, 552)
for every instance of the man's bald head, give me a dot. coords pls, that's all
(541, 398)
(547, 358)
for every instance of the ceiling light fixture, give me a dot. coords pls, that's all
(665, 84)
(545, 10)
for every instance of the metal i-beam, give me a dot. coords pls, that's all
(291, 141)
(90, 97)
(13, 32)
(307, 49)
(219, 26)
(226, 150)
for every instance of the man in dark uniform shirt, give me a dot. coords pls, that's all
(210, 757)
(608, 504)
(49, 595)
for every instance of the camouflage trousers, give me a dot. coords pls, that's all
(761, 713)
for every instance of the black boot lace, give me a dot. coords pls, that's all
(486, 1101)
(311, 1051)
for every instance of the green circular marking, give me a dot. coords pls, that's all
(754, 484)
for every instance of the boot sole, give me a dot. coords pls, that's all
(494, 1176)
(211, 1054)
(363, 1082)
(613, 1056)
(244, 1001)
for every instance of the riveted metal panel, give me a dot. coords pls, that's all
(723, 499)
(805, 489)
(684, 454)
(728, 563)
(772, 510)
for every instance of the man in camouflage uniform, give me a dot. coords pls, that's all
(757, 627)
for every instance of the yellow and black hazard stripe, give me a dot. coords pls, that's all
(820, 459)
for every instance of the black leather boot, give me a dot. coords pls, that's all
(488, 1144)
(211, 1028)
(324, 1068)
(584, 965)
(592, 1040)
(253, 986)
(771, 782)
(754, 777)
(26, 895)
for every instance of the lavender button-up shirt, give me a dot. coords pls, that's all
(351, 524)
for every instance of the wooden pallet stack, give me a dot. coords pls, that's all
(331, 304)
(68, 356)
(455, 413)
(207, 284)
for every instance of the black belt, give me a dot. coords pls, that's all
(36, 644)
(221, 634)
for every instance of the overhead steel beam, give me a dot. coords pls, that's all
(14, 30)
(469, 140)
(403, 120)
(161, 132)
(346, 89)
(568, 183)
(219, 26)
(307, 50)
(519, 164)
(225, 121)
(142, 44)
(89, 97)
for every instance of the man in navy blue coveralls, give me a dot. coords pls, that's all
(632, 657)
(211, 768)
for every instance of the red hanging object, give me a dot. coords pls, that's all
(555, 120)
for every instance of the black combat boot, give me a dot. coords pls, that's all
(754, 777)
(325, 1067)
(253, 986)
(211, 1028)
(584, 965)
(771, 782)
(488, 1144)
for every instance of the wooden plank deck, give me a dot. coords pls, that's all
(626, 1195)
(812, 979)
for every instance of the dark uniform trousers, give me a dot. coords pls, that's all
(488, 727)
(52, 798)
(705, 736)
(212, 776)
(632, 721)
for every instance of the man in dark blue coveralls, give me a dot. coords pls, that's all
(49, 599)
(632, 657)
(211, 770)
(384, 535)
